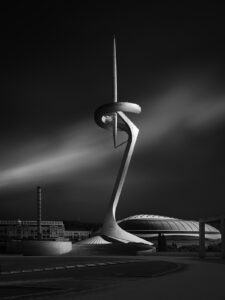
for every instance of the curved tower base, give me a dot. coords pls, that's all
(102, 246)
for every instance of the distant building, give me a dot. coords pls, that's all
(76, 230)
(22, 230)
(77, 235)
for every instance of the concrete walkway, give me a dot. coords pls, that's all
(203, 280)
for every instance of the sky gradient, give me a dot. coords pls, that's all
(56, 69)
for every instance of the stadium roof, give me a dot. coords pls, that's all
(155, 223)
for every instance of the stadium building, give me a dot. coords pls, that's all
(166, 232)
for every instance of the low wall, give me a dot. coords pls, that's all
(45, 248)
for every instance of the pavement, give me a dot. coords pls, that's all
(198, 279)
(116, 278)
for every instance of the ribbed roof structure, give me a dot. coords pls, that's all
(154, 223)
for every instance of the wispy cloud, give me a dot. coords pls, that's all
(184, 108)
(71, 150)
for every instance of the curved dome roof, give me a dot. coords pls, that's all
(154, 223)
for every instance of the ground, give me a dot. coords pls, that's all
(112, 278)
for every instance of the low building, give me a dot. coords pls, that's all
(76, 230)
(22, 230)
(77, 235)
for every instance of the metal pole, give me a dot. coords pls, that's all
(39, 231)
(223, 236)
(201, 239)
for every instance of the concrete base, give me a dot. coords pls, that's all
(80, 249)
(45, 248)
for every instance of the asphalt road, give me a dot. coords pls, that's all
(56, 277)
(110, 278)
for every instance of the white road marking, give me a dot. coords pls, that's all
(66, 267)
(14, 272)
(80, 266)
(48, 269)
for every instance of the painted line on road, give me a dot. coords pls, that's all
(59, 268)
(26, 271)
(70, 267)
(5, 273)
(79, 266)
(14, 272)
(67, 267)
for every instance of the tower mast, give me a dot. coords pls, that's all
(114, 92)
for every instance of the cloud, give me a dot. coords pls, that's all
(182, 109)
(72, 150)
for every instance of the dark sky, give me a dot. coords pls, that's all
(56, 69)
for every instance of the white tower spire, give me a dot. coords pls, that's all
(114, 91)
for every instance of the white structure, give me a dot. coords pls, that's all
(111, 116)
